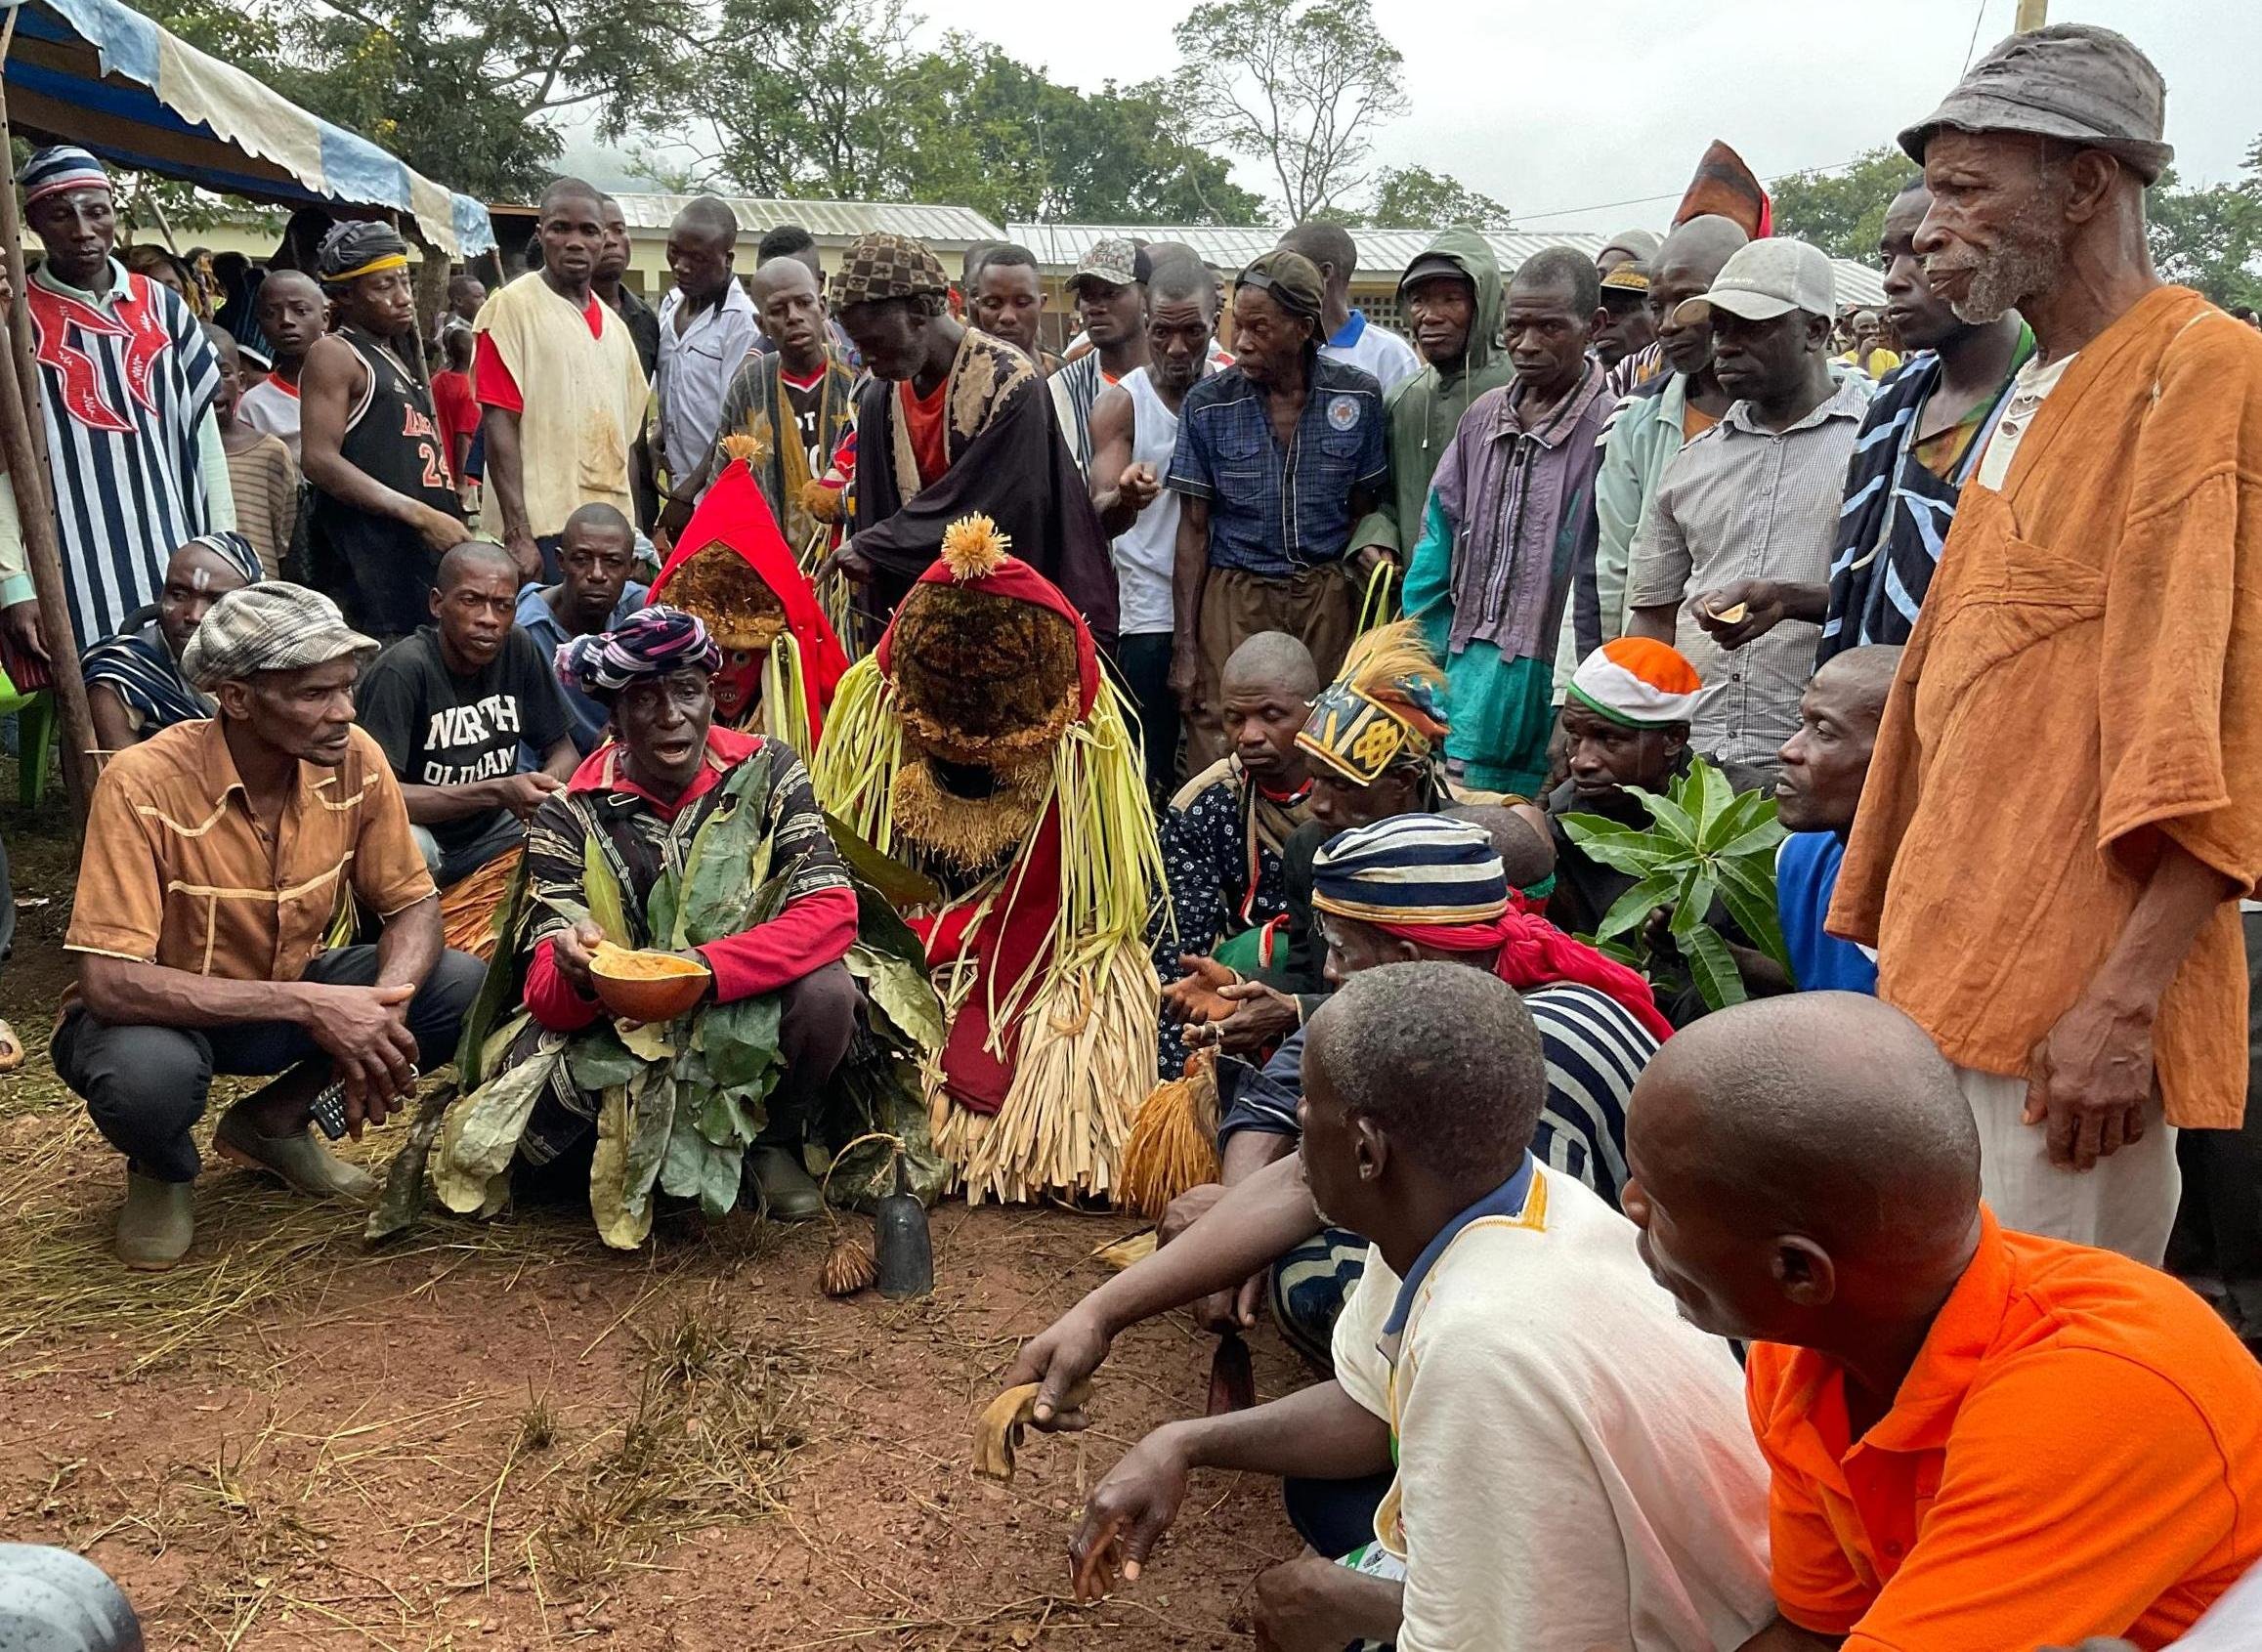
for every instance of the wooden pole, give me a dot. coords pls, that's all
(23, 445)
(2032, 15)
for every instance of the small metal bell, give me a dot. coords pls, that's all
(904, 1248)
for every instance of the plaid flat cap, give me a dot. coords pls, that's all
(274, 626)
(882, 266)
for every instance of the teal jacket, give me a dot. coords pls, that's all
(1643, 435)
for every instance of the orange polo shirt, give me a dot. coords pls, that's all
(2076, 1452)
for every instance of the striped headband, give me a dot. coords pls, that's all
(59, 167)
(650, 642)
(1640, 682)
(1410, 868)
(232, 548)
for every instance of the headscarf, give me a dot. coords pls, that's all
(882, 266)
(650, 642)
(1438, 883)
(234, 549)
(141, 670)
(1638, 682)
(1386, 707)
(271, 626)
(359, 248)
(59, 167)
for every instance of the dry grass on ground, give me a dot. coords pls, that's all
(504, 1436)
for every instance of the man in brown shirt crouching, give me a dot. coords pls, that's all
(218, 855)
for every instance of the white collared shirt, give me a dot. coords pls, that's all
(696, 367)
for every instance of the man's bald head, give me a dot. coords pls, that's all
(1526, 854)
(1823, 1128)
(1705, 242)
(1860, 678)
(1825, 763)
(779, 275)
(1272, 659)
(473, 555)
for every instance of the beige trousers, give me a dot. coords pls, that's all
(2126, 1203)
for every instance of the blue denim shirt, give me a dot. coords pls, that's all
(1271, 512)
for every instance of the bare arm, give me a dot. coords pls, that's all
(334, 377)
(113, 729)
(1656, 623)
(1114, 428)
(507, 483)
(126, 992)
(562, 759)
(410, 945)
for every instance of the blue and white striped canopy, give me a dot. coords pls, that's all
(99, 73)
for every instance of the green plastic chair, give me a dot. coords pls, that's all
(35, 738)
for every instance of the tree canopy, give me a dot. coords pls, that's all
(1842, 210)
(1416, 197)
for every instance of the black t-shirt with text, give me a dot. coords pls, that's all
(439, 729)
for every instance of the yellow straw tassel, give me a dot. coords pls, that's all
(1173, 1141)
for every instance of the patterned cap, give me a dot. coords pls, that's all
(1410, 868)
(1114, 259)
(272, 626)
(1633, 275)
(1640, 682)
(881, 266)
(650, 642)
(1384, 710)
(59, 167)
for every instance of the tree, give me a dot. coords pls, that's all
(1297, 84)
(2210, 237)
(457, 89)
(1416, 197)
(833, 98)
(1842, 209)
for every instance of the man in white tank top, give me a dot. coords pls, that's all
(1134, 429)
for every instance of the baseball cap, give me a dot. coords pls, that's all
(1434, 266)
(1766, 278)
(1291, 278)
(1117, 260)
(1631, 277)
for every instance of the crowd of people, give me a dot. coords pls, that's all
(1848, 1243)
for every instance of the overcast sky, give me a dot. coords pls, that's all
(1558, 108)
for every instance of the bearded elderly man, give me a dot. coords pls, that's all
(2068, 930)
(221, 852)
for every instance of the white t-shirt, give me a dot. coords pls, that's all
(1146, 554)
(1375, 349)
(1576, 1466)
(2031, 387)
(273, 406)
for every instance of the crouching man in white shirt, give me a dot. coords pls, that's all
(1574, 1464)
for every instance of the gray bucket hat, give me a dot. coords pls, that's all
(2075, 81)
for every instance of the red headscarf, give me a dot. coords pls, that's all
(735, 513)
(1534, 953)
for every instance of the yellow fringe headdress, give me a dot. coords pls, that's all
(1387, 707)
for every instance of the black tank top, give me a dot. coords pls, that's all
(379, 569)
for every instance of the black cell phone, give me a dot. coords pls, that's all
(329, 1106)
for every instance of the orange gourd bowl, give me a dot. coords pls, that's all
(647, 985)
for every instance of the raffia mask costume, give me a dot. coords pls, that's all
(982, 744)
(782, 659)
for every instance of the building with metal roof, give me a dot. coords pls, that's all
(1384, 254)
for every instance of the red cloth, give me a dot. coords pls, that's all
(1725, 186)
(735, 513)
(1013, 940)
(494, 382)
(922, 419)
(810, 933)
(458, 413)
(1017, 931)
(1534, 953)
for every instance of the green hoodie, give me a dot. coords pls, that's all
(1425, 410)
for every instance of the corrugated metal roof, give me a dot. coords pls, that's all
(1383, 253)
(947, 226)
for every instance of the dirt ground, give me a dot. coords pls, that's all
(504, 1436)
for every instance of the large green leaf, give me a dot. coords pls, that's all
(900, 885)
(650, 1040)
(619, 1226)
(684, 1164)
(403, 1200)
(659, 907)
(1756, 843)
(652, 1106)
(902, 991)
(1715, 796)
(598, 1060)
(1750, 899)
(1712, 967)
(607, 908)
(740, 1041)
(481, 1129)
(1623, 848)
(721, 1171)
(1633, 908)
(730, 1118)
(498, 989)
(729, 856)
(1693, 903)
(1669, 816)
